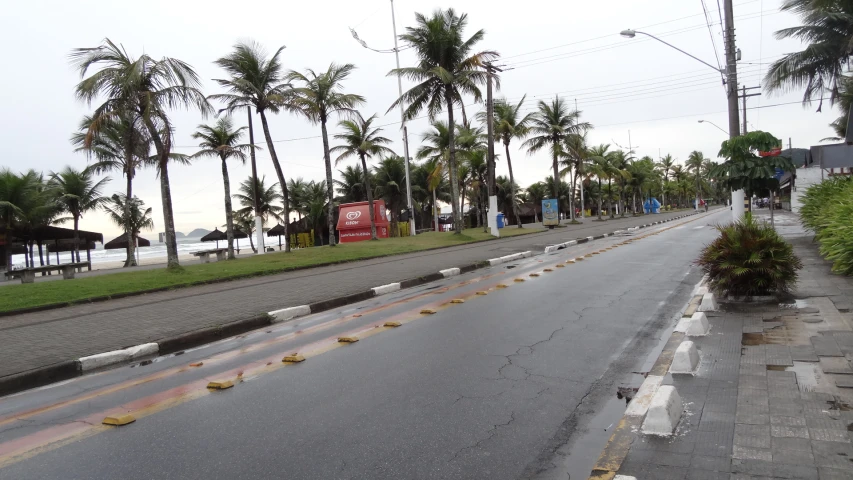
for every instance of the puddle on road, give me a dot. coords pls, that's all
(752, 339)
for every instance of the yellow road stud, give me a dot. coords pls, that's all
(595, 253)
(570, 261)
(519, 280)
(579, 259)
(427, 311)
(482, 292)
(196, 364)
(560, 265)
(347, 339)
(119, 420)
(534, 274)
(548, 270)
(295, 358)
(501, 285)
(220, 384)
(457, 300)
(588, 255)
(393, 324)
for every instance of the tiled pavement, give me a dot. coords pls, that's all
(39, 339)
(771, 398)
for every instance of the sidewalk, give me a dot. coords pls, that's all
(773, 395)
(35, 340)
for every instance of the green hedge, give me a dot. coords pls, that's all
(828, 211)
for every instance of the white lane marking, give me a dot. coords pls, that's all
(700, 226)
(679, 227)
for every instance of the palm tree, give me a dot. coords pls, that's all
(26, 201)
(362, 141)
(827, 30)
(695, 163)
(446, 70)
(77, 192)
(575, 153)
(390, 178)
(257, 81)
(665, 166)
(508, 192)
(678, 174)
(316, 204)
(223, 141)
(429, 186)
(535, 194)
(509, 124)
(118, 143)
(244, 221)
(320, 96)
(131, 216)
(601, 168)
(550, 125)
(620, 161)
(146, 88)
(296, 188)
(268, 197)
(351, 186)
(469, 140)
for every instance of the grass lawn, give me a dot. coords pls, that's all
(16, 297)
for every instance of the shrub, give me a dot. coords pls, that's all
(749, 259)
(827, 210)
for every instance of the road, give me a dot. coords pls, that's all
(510, 384)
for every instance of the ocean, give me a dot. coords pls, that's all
(146, 254)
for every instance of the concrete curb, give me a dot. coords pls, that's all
(560, 246)
(383, 289)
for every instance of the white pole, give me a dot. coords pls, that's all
(405, 131)
(259, 233)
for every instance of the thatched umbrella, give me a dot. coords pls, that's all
(120, 243)
(216, 235)
(276, 231)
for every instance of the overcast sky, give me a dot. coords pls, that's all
(571, 48)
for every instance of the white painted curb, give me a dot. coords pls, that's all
(624, 477)
(700, 290)
(664, 412)
(99, 360)
(383, 289)
(554, 248)
(695, 326)
(526, 254)
(450, 272)
(289, 313)
(589, 239)
(640, 403)
(686, 358)
(709, 303)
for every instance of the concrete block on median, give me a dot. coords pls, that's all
(664, 412)
(640, 403)
(495, 261)
(526, 254)
(450, 272)
(100, 360)
(289, 313)
(709, 303)
(144, 350)
(686, 358)
(383, 289)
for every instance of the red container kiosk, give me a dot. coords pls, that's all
(354, 221)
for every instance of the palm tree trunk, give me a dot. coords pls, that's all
(369, 197)
(329, 185)
(512, 186)
(281, 181)
(252, 241)
(610, 197)
(580, 178)
(229, 216)
(572, 187)
(130, 261)
(76, 251)
(165, 194)
(556, 183)
(599, 198)
(454, 185)
(434, 211)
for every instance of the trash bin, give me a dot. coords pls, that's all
(500, 219)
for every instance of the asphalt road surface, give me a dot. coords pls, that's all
(507, 384)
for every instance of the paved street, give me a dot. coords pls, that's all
(500, 386)
(39, 339)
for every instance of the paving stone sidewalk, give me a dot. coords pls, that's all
(36, 340)
(772, 397)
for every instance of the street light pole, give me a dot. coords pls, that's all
(715, 125)
(405, 130)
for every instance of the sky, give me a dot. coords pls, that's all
(635, 92)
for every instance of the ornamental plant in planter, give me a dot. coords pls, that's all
(749, 259)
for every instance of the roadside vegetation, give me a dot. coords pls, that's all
(827, 211)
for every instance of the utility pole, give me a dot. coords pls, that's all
(490, 180)
(732, 95)
(744, 96)
(405, 129)
(259, 221)
(580, 174)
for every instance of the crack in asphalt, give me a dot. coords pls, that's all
(490, 433)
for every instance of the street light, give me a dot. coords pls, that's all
(714, 124)
(633, 33)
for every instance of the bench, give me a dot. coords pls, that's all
(204, 255)
(28, 275)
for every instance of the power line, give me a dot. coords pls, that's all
(711, 34)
